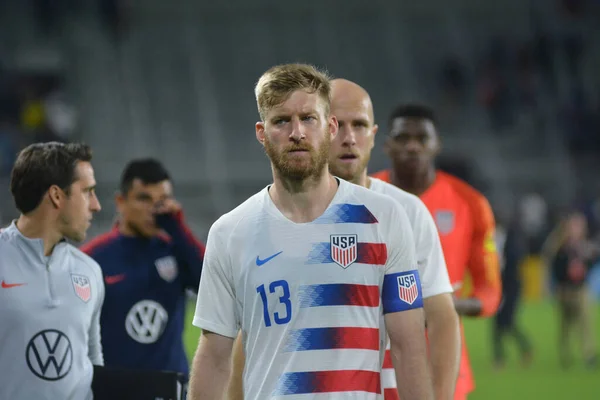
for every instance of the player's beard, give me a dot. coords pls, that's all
(349, 172)
(299, 170)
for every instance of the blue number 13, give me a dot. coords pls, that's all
(283, 299)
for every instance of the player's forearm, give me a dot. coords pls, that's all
(412, 372)
(209, 376)
(444, 352)
(236, 387)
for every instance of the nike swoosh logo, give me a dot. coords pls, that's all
(11, 285)
(111, 280)
(260, 262)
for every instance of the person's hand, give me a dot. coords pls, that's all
(169, 206)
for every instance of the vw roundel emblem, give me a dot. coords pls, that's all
(49, 355)
(146, 321)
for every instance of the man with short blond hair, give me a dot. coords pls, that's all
(306, 268)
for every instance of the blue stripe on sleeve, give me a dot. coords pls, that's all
(401, 292)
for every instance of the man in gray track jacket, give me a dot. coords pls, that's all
(51, 293)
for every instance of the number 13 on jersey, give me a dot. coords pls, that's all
(282, 290)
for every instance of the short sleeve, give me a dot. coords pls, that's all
(216, 303)
(430, 256)
(401, 289)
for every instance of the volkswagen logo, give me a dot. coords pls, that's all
(49, 355)
(146, 321)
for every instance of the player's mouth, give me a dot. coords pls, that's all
(298, 151)
(348, 158)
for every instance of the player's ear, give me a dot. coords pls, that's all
(119, 200)
(374, 130)
(386, 147)
(55, 194)
(334, 126)
(260, 132)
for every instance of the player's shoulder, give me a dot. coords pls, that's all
(383, 175)
(367, 196)
(244, 213)
(84, 264)
(6, 239)
(473, 197)
(9, 239)
(408, 200)
(100, 243)
(382, 206)
(83, 259)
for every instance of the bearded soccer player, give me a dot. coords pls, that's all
(463, 216)
(308, 269)
(349, 155)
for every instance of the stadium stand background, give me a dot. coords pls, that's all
(515, 84)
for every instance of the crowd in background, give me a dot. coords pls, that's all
(511, 81)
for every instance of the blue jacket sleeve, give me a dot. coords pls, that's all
(188, 250)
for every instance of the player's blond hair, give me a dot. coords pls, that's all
(279, 82)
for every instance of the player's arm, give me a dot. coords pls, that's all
(211, 367)
(216, 315)
(189, 251)
(443, 331)
(484, 265)
(443, 326)
(94, 340)
(402, 300)
(236, 384)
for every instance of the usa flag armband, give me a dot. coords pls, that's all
(401, 292)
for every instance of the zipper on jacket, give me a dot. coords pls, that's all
(52, 302)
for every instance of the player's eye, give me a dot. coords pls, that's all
(401, 138)
(309, 118)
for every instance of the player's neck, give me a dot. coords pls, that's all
(36, 225)
(126, 230)
(413, 182)
(304, 201)
(362, 180)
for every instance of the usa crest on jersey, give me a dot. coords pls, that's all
(408, 291)
(444, 221)
(344, 249)
(82, 287)
(167, 268)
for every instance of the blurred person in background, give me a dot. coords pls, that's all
(349, 156)
(51, 293)
(148, 260)
(513, 250)
(463, 217)
(570, 254)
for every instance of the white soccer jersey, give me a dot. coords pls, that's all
(309, 297)
(430, 260)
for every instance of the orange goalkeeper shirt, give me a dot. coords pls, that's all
(466, 226)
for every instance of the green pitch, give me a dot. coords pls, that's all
(543, 380)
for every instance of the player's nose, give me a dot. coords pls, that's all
(348, 137)
(297, 132)
(95, 205)
(413, 146)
